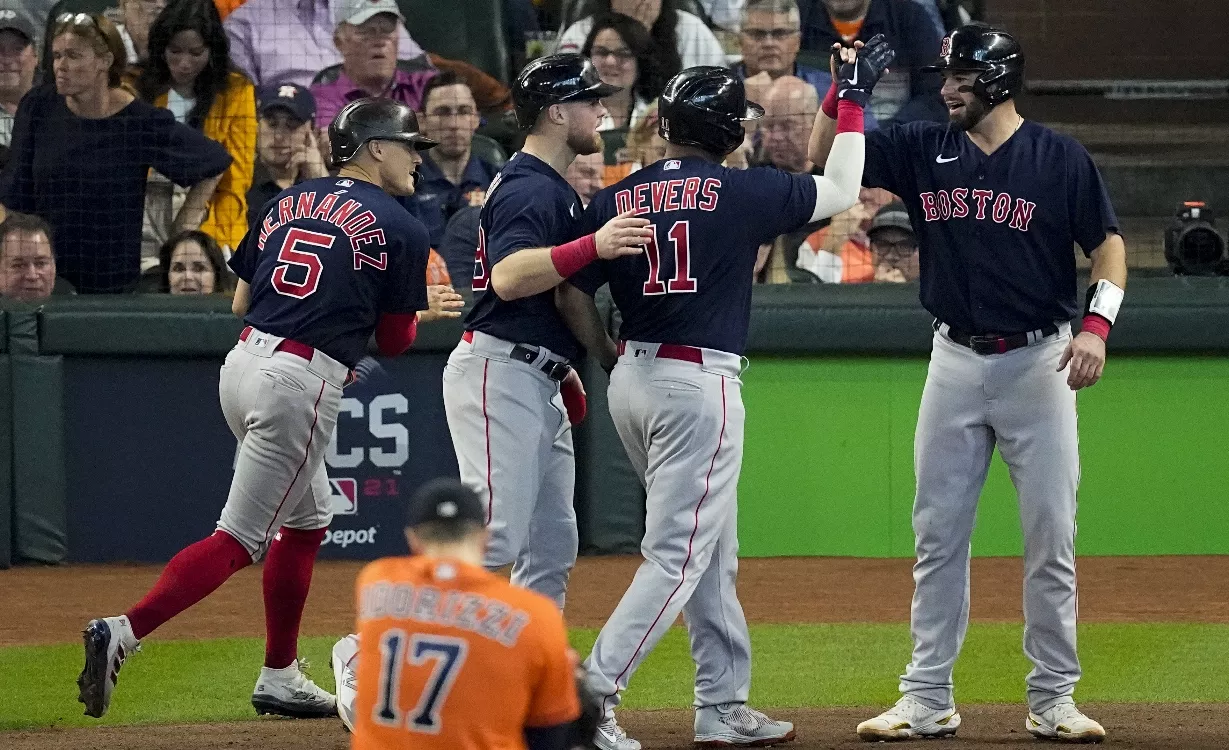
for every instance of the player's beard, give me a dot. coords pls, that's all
(583, 144)
(973, 112)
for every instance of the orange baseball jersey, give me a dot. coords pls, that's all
(451, 656)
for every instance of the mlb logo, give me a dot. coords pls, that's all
(672, 164)
(345, 183)
(945, 48)
(343, 496)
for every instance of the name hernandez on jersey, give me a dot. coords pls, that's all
(344, 217)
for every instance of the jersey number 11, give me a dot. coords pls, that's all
(683, 282)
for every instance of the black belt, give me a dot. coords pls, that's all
(555, 369)
(997, 344)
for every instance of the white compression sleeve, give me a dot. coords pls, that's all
(836, 190)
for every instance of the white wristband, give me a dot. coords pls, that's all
(1104, 299)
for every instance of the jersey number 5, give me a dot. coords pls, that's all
(288, 256)
(682, 283)
(448, 654)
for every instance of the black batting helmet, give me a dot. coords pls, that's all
(555, 79)
(994, 54)
(705, 106)
(373, 120)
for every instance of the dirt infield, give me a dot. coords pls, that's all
(804, 589)
(1170, 589)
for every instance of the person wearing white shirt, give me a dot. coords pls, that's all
(696, 45)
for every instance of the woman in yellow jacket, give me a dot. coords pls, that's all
(189, 72)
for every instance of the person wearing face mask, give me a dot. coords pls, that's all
(18, 61)
(191, 263)
(189, 73)
(94, 144)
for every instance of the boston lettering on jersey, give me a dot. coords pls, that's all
(944, 205)
(488, 618)
(996, 231)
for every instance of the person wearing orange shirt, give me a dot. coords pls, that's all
(450, 656)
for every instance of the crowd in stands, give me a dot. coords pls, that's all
(142, 142)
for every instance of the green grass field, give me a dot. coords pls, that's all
(795, 665)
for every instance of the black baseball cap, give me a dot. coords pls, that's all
(893, 215)
(11, 20)
(444, 499)
(292, 97)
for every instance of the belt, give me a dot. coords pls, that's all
(555, 369)
(286, 345)
(674, 351)
(998, 344)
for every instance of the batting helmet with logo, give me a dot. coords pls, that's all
(705, 106)
(994, 54)
(373, 120)
(555, 79)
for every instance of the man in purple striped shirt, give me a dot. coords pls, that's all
(290, 41)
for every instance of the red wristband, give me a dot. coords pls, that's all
(1096, 324)
(849, 117)
(829, 106)
(572, 256)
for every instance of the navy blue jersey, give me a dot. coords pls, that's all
(328, 257)
(997, 232)
(692, 285)
(529, 204)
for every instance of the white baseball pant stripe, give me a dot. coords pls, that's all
(283, 409)
(682, 426)
(1019, 402)
(513, 443)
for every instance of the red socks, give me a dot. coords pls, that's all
(287, 578)
(190, 576)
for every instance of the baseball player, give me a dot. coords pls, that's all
(334, 260)
(451, 656)
(675, 393)
(998, 203)
(510, 394)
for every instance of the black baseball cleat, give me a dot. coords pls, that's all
(108, 642)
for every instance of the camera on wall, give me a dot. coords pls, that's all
(1193, 247)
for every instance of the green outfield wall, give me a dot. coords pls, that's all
(828, 468)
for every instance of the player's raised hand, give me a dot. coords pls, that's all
(625, 234)
(442, 302)
(861, 68)
(1086, 357)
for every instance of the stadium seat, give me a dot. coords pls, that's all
(470, 30)
(489, 150)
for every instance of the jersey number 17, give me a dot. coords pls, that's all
(444, 653)
(682, 282)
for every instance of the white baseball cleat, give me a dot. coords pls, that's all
(108, 642)
(735, 725)
(1064, 722)
(345, 672)
(288, 692)
(909, 720)
(610, 736)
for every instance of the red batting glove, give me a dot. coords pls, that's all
(573, 392)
